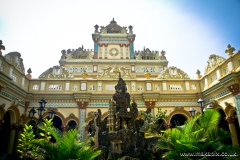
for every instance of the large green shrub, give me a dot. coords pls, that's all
(199, 136)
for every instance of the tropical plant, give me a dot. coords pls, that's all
(67, 146)
(26, 143)
(197, 138)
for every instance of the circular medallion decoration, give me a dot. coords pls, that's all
(113, 52)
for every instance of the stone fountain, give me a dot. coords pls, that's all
(119, 134)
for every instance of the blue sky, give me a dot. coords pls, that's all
(188, 30)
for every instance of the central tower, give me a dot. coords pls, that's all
(113, 42)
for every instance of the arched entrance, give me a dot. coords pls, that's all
(57, 122)
(224, 124)
(178, 120)
(71, 124)
(4, 133)
(236, 123)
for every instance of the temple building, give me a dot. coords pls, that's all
(85, 80)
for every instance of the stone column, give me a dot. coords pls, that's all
(64, 129)
(11, 139)
(18, 136)
(26, 107)
(151, 105)
(234, 88)
(82, 116)
(233, 131)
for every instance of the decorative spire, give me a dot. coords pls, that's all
(2, 47)
(96, 28)
(229, 50)
(113, 19)
(29, 71)
(130, 29)
(198, 74)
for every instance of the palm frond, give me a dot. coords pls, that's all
(209, 120)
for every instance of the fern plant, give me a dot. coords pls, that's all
(198, 135)
(67, 146)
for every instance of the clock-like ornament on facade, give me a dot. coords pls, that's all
(113, 52)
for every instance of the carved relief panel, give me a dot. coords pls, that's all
(114, 52)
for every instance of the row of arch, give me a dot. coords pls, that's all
(24, 119)
(12, 116)
(11, 127)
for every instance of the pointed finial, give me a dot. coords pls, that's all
(2, 47)
(198, 74)
(29, 71)
(113, 19)
(229, 50)
(82, 46)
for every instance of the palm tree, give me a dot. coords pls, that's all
(199, 136)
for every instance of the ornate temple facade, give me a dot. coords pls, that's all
(85, 80)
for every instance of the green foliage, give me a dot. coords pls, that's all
(150, 123)
(26, 147)
(67, 146)
(199, 135)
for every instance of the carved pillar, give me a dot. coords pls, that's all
(95, 47)
(131, 40)
(82, 116)
(26, 107)
(232, 128)
(18, 136)
(234, 88)
(167, 126)
(127, 51)
(64, 129)
(151, 105)
(121, 51)
(100, 50)
(11, 139)
(106, 50)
